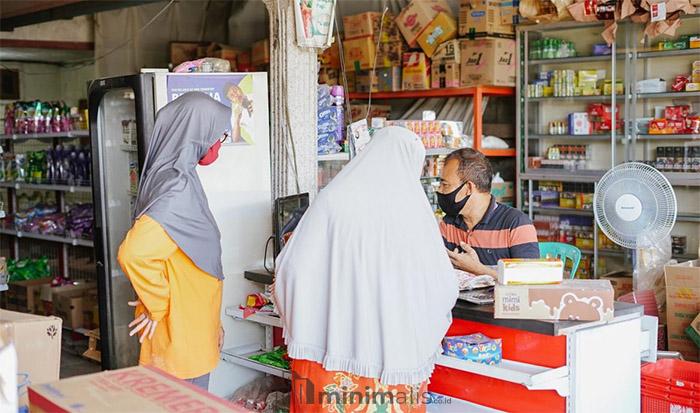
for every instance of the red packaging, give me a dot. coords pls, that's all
(692, 124)
(600, 116)
(666, 127)
(679, 112)
(679, 83)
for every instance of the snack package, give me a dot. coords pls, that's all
(474, 347)
(517, 271)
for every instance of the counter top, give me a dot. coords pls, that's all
(484, 314)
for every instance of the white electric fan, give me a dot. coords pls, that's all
(635, 206)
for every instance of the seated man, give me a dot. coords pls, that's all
(477, 230)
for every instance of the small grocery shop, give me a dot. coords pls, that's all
(530, 168)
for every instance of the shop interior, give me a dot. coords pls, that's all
(564, 103)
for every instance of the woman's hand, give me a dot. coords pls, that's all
(221, 338)
(142, 322)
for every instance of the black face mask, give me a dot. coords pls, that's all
(448, 204)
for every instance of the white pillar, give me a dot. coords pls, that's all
(293, 80)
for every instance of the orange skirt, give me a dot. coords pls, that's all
(316, 390)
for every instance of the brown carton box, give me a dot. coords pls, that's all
(260, 53)
(488, 62)
(441, 29)
(38, 345)
(25, 296)
(368, 24)
(69, 309)
(416, 71)
(415, 17)
(621, 282)
(358, 112)
(448, 52)
(444, 75)
(581, 300)
(359, 53)
(328, 76)
(183, 52)
(133, 389)
(330, 57)
(385, 79)
(682, 306)
(479, 18)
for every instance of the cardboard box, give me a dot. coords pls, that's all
(93, 352)
(415, 17)
(183, 52)
(25, 296)
(390, 54)
(329, 58)
(69, 309)
(416, 71)
(328, 76)
(682, 306)
(487, 62)
(441, 29)
(504, 192)
(134, 389)
(444, 75)
(448, 52)
(385, 79)
(38, 345)
(621, 282)
(358, 112)
(580, 300)
(226, 52)
(359, 54)
(260, 53)
(479, 18)
(368, 24)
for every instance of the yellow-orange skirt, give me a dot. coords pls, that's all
(316, 390)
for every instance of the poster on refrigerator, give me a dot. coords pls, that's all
(234, 91)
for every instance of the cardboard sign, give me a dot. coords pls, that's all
(134, 390)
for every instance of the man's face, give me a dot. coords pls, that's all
(450, 180)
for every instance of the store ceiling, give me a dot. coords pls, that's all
(17, 13)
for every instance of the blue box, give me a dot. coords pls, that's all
(474, 347)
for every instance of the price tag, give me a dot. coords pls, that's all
(658, 12)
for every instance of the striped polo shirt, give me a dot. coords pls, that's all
(503, 232)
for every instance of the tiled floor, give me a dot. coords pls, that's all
(73, 365)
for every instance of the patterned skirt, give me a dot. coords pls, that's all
(316, 390)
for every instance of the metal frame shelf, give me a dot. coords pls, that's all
(241, 356)
(65, 135)
(46, 187)
(52, 238)
(621, 64)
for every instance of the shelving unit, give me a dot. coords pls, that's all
(59, 190)
(241, 356)
(627, 64)
(477, 93)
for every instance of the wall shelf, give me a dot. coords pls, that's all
(561, 175)
(52, 238)
(264, 319)
(46, 187)
(241, 356)
(64, 135)
(575, 59)
(531, 376)
(669, 137)
(340, 156)
(668, 95)
(667, 53)
(598, 137)
(565, 98)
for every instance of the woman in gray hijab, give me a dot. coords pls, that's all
(172, 254)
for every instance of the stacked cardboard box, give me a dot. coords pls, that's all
(25, 296)
(445, 68)
(480, 18)
(385, 79)
(487, 61)
(416, 71)
(682, 306)
(362, 36)
(69, 302)
(260, 53)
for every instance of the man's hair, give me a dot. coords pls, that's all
(474, 167)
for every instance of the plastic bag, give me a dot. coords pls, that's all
(649, 268)
(277, 402)
(254, 395)
(207, 64)
(545, 10)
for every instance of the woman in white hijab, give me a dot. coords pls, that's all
(365, 287)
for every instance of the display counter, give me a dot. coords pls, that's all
(552, 366)
(548, 366)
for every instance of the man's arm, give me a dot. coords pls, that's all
(469, 261)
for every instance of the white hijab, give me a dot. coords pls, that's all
(365, 285)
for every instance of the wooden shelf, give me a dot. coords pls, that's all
(437, 93)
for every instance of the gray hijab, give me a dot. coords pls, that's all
(170, 191)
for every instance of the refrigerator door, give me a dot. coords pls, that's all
(121, 120)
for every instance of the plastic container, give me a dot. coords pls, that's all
(674, 373)
(670, 386)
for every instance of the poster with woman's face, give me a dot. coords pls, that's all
(234, 91)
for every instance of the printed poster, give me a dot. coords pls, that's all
(234, 91)
(314, 22)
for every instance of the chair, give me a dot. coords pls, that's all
(562, 251)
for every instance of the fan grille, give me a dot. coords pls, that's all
(654, 218)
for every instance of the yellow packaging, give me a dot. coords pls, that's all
(692, 87)
(694, 41)
(441, 29)
(607, 87)
(359, 53)
(416, 71)
(695, 76)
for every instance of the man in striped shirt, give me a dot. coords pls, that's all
(477, 230)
